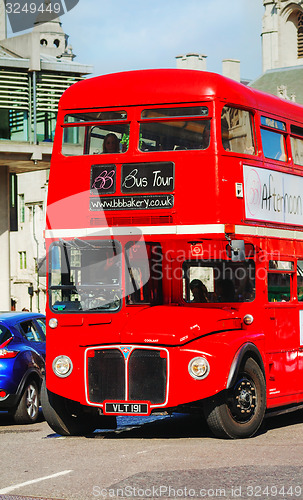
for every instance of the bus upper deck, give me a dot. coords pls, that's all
(185, 153)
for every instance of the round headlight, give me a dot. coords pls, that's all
(53, 323)
(198, 368)
(62, 366)
(248, 319)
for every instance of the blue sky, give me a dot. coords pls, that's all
(117, 35)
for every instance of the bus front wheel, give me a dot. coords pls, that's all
(68, 418)
(238, 412)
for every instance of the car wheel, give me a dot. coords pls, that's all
(27, 411)
(68, 418)
(238, 412)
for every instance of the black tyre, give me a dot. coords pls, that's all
(238, 412)
(68, 418)
(27, 411)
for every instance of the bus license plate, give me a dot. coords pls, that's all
(126, 408)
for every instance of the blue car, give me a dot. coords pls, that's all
(22, 364)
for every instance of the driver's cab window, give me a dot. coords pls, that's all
(85, 275)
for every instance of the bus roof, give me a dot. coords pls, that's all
(169, 86)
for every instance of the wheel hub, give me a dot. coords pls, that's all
(32, 401)
(243, 402)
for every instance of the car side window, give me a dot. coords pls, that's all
(41, 323)
(30, 331)
(5, 334)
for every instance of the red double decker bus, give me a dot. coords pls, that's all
(175, 253)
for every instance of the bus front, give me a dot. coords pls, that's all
(141, 276)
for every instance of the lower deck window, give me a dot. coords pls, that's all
(218, 281)
(300, 280)
(280, 273)
(278, 287)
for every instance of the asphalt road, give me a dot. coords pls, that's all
(172, 457)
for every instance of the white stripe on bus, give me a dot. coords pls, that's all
(199, 229)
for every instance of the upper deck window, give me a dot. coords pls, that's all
(272, 123)
(297, 144)
(174, 135)
(237, 130)
(159, 134)
(98, 116)
(81, 140)
(273, 141)
(175, 112)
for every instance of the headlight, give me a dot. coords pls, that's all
(53, 323)
(248, 319)
(198, 368)
(62, 366)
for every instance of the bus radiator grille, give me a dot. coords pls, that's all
(145, 372)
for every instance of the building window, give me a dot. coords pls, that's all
(41, 212)
(22, 260)
(13, 209)
(21, 208)
(300, 35)
(30, 212)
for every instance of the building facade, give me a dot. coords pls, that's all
(282, 34)
(27, 247)
(282, 49)
(35, 69)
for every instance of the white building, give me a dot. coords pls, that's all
(27, 246)
(35, 69)
(282, 34)
(282, 49)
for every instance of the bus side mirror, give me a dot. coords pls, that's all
(237, 250)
